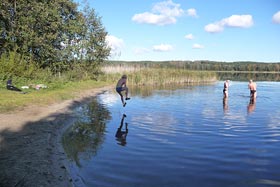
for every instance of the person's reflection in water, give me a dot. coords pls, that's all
(252, 105)
(121, 134)
(225, 104)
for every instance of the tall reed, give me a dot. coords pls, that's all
(158, 76)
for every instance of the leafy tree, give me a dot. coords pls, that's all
(35, 29)
(93, 47)
(52, 33)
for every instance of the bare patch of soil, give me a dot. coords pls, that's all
(31, 152)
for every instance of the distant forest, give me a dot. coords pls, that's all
(202, 65)
(238, 71)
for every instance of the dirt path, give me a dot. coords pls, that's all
(31, 152)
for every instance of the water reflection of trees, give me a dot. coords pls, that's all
(245, 76)
(148, 90)
(85, 137)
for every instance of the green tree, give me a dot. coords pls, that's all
(36, 29)
(93, 47)
(53, 33)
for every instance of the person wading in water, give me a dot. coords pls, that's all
(253, 89)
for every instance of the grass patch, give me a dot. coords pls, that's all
(10, 100)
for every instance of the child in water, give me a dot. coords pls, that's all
(121, 86)
(225, 90)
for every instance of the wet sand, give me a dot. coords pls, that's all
(31, 153)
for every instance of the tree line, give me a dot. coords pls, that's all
(204, 65)
(52, 35)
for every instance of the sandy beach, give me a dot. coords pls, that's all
(31, 153)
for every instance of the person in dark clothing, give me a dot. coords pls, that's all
(121, 134)
(11, 87)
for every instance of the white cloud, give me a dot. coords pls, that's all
(189, 36)
(162, 47)
(241, 21)
(168, 8)
(197, 46)
(214, 28)
(153, 19)
(276, 17)
(116, 44)
(162, 13)
(192, 12)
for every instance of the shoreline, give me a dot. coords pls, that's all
(31, 152)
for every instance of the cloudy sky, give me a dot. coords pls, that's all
(219, 30)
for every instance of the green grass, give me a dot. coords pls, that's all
(10, 100)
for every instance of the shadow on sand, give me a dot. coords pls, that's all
(34, 155)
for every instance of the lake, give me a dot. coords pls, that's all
(180, 136)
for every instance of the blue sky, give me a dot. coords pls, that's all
(218, 30)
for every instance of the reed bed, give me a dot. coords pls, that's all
(158, 76)
(120, 68)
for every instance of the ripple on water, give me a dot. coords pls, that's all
(188, 138)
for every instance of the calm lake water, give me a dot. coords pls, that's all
(186, 136)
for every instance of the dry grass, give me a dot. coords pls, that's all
(138, 75)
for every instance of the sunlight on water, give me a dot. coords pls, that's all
(189, 136)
